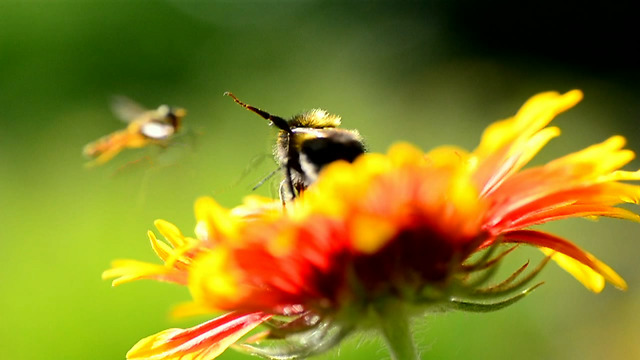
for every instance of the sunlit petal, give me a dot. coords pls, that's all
(203, 342)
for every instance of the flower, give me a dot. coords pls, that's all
(386, 237)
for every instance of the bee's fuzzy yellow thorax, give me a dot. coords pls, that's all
(315, 118)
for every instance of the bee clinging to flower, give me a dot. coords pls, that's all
(306, 143)
(144, 127)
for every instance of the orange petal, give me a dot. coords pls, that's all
(370, 233)
(130, 270)
(534, 115)
(170, 232)
(508, 145)
(160, 248)
(203, 342)
(214, 220)
(189, 309)
(564, 211)
(575, 260)
(597, 159)
(589, 278)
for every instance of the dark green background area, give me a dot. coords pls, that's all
(431, 73)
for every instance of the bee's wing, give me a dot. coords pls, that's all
(126, 109)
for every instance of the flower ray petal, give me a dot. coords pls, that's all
(505, 142)
(575, 261)
(126, 270)
(202, 342)
(170, 232)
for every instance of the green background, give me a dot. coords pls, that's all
(429, 73)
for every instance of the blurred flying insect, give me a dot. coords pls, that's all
(305, 144)
(145, 127)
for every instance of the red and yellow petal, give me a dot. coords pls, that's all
(506, 146)
(585, 267)
(202, 342)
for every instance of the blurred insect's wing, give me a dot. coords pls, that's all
(126, 109)
(157, 130)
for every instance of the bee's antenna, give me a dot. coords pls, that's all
(279, 122)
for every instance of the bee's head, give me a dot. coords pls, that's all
(171, 115)
(176, 115)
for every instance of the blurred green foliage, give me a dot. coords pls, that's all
(427, 72)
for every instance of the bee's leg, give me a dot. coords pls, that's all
(292, 160)
(263, 179)
(132, 163)
(105, 156)
(287, 190)
(283, 193)
(289, 180)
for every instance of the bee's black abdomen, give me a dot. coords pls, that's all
(322, 151)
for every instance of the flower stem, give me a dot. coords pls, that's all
(394, 324)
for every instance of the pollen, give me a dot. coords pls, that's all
(371, 234)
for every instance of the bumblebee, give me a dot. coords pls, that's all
(145, 127)
(305, 144)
